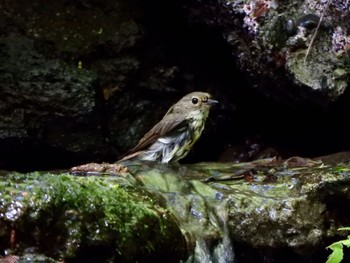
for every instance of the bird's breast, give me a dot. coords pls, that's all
(196, 124)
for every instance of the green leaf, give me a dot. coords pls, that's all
(346, 242)
(337, 254)
(344, 228)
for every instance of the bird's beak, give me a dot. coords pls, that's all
(211, 102)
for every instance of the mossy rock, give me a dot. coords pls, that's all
(85, 219)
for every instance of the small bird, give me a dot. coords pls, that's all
(172, 138)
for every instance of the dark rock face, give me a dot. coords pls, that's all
(82, 81)
(43, 101)
(51, 85)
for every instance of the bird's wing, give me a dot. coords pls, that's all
(167, 125)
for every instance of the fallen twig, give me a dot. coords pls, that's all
(316, 31)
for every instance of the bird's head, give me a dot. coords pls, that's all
(194, 101)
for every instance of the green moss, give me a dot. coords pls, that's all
(65, 216)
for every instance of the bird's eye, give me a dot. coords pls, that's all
(194, 100)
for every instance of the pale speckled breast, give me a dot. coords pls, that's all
(197, 124)
(176, 147)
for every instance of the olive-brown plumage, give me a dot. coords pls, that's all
(172, 138)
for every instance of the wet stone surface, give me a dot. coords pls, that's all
(244, 212)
